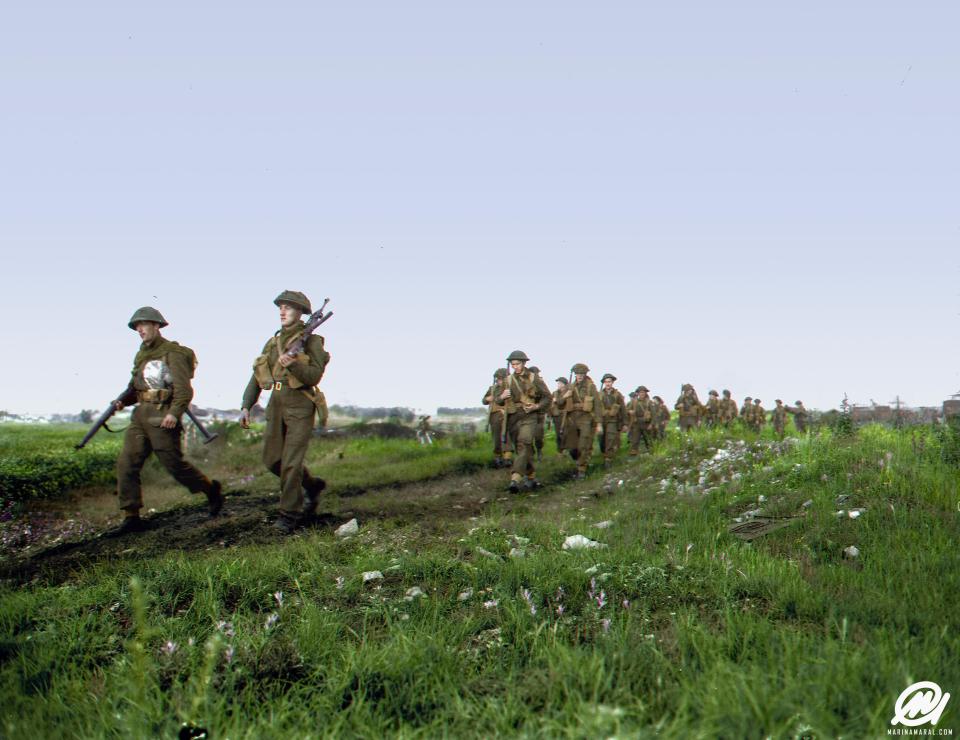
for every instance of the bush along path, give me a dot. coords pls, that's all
(620, 605)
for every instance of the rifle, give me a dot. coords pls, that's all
(563, 416)
(101, 421)
(112, 409)
(316, 318)
(503, 422)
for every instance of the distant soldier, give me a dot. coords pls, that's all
(498, 418)
(778, 418)
(711, 412)
(556, 412)
(294, 403)
(689, 407)
(746, 413)
(614, 413)
(423, 431)
(799, 416)
(528, 396)
(662, 418)
(160, 386)
(582, 408)
(728, 410)
(759, 417)
(642, 414)
(541, 422)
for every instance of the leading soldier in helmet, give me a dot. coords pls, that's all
(614, 413)
(525, 396)
(160, 387)
(583, 417)
(294, 402)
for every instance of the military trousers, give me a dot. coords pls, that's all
(557, 425)
(290, 419)
(610, 434)
(640, 433)
(578, 437)
(800, 423)
(687, 422)
(143, 436)
(540, 431)
(497, 431)
(522, 430)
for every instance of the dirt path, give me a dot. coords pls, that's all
(247, 519)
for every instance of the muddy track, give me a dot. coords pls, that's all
(247, 520)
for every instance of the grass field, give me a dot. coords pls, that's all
(481, 624)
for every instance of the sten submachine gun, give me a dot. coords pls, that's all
(112, 409)
(316, 318)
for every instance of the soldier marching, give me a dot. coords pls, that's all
(294, 402)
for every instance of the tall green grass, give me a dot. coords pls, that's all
(675, 629)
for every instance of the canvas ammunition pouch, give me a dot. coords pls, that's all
(527, 395)
(586, 404)
(155, 395)
(268, 376)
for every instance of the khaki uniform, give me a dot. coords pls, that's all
(759, 417)
(583, 414)
(728, 411)
(293, 405)
(556, 416)
(662, 419)
(145, 435)
(778, 418)
(525, 388)
(746, 414)
(641, 414)
(497, 419)
(614, 412)
(799, 417)
(711, 411)
(690, 408)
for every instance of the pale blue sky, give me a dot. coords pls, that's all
(748, 195)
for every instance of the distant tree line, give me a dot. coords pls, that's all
(450, 411)
(380, 412)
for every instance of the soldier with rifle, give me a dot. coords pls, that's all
(778, 417)
(498, 418)
(662, 417)
(643, 415)
(690, 408)
(290, 365)
(746, 413)
(613, 410)
(539, 435)
(527, 396)
(759, 416)
(582, 417)
(557, 414)
(728, 409)
(161, 389)
(799, 416)
(713, 409)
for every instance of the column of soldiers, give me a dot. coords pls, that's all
(161, 389)
(579, 412)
